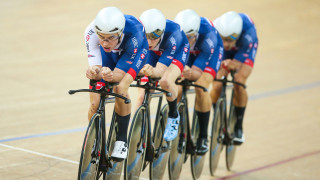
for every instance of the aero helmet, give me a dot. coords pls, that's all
(229, 25)
(189, 21)
(154, 23)
(109, 20)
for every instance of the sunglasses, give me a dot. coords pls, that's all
(154, 35)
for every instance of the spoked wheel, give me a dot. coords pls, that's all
(115, 171)
(216, 137)
(157, 167)
(230, 148)
(91, 151)
(137, 145)
(197, 161)
(178, 146)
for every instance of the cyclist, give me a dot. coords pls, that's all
(117, 48)
(240, 43)
(168, 52)
(204, 61)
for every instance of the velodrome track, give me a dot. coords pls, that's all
(42, 56)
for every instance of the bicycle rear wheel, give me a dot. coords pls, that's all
(178, 146)
(157, 167)
(216, 145)
(231, 148)
(91, 151)
(136, 145)
(197, 161)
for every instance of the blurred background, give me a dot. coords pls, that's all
(43, 55)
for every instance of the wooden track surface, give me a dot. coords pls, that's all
(42, 56)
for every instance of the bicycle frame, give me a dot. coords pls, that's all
(150, 85)
(105, 161)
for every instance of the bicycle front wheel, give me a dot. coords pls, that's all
(231, 148)
(157, 167)
(137, 145)
(216, 136)
(178, 146)
(91, 151)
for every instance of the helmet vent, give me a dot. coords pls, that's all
(98, 28)
(115, 29)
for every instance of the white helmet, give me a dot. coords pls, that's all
(109, 20)
(154, 23)
(229, 25)
(189, 21)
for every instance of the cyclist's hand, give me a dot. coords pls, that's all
(231, 64)
(187, 72)
(92, 72)
(107, 74)
(147, 70)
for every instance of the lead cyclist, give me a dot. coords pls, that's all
(240, 43)
(117, 48)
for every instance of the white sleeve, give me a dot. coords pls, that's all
(93, 46)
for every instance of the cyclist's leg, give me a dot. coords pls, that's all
(140, 98)
(167, 83)
(240, 99)
(94, 99)
(94, 104)
(203, 107)
(217, 86)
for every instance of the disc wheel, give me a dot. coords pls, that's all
(178, 146)
(157, 167)
(136, 145)
(89, 159)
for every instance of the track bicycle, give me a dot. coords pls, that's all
(95, 159)
(222, 132)
(185, 143)
(144, 149)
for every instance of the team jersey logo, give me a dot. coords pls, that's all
(88, 37)
(169, 57)
(250, 45)
(212, 50)
(174, 47)
(90, 55)
(135, 50)
(129, 62)
(185, 49)
(143, 56)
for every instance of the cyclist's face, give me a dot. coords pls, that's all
(228, 43)
(108, 41)
(192, 38)
(153, 43)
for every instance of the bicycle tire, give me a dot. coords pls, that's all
(231, 148)
(157, 167)
(216, 144)
(176, 158)
(115, 171)
(197, 161)
(136, 151)
(88, 170)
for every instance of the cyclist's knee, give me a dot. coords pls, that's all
(165, 83)
(94, 107)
